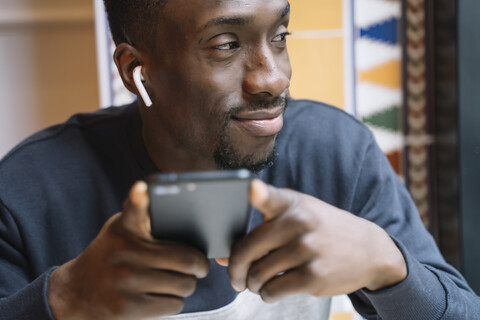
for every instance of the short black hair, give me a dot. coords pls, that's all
(133, 21)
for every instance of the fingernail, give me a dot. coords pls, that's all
(141, 186)
(137, 195)
(236, 288)
(259, 193)
(222, 261)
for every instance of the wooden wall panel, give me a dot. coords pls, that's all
(48, 63)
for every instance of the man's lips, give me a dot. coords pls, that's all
(261, 123)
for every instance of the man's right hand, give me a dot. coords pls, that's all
(125, 273)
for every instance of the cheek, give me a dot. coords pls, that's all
(286, 66)
(198, 96)
(224, 79)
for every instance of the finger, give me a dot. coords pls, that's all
(291, 256)
(168, 256)
(153, 306)
(161, 282)
(135, 215)
(270, 201)
(260, 242)
(222, 261)
(291, 282)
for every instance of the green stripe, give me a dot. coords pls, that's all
(389, 119)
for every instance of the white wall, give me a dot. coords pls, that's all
(47, 65)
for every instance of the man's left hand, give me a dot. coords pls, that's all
(308, 246)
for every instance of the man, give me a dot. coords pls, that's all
(218, 75)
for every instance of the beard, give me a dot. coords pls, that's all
(227, 156)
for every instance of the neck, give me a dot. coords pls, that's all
(169, 156)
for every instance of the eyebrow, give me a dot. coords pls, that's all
(239, 21)
(285, 11)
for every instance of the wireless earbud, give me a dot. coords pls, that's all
(138, 79)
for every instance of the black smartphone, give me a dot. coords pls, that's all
(207, 210)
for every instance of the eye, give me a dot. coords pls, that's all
(227, 46)
(281, 37)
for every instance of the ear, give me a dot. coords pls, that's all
(126, 58)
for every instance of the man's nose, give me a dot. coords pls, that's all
(266, 73)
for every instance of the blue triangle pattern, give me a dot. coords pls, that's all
(386, 31)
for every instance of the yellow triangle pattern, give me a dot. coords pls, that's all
(388, 74)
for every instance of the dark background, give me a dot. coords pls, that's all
(453, 77)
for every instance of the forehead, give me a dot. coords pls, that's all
(201, 14)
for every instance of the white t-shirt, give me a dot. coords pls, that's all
(249, 306)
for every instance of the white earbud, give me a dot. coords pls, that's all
(137, 78)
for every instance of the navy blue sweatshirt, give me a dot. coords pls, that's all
(59, 186)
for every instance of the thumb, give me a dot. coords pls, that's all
(135, 211)
(270, 201)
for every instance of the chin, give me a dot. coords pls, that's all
(226, 157)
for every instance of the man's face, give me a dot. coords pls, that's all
(220, 74)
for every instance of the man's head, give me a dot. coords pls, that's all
(218, 73)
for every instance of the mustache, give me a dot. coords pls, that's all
(260, 105)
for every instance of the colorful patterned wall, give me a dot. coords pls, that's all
(378, 69)
(348, 53)
(316, 49)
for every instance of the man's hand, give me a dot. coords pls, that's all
(125, 273)
(308, 246)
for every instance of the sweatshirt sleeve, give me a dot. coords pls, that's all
(426, 293)
(433, 289)
(29, 303)
(21, 297)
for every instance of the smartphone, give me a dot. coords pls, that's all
(207, 210)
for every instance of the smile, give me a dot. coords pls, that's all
(261, 123)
